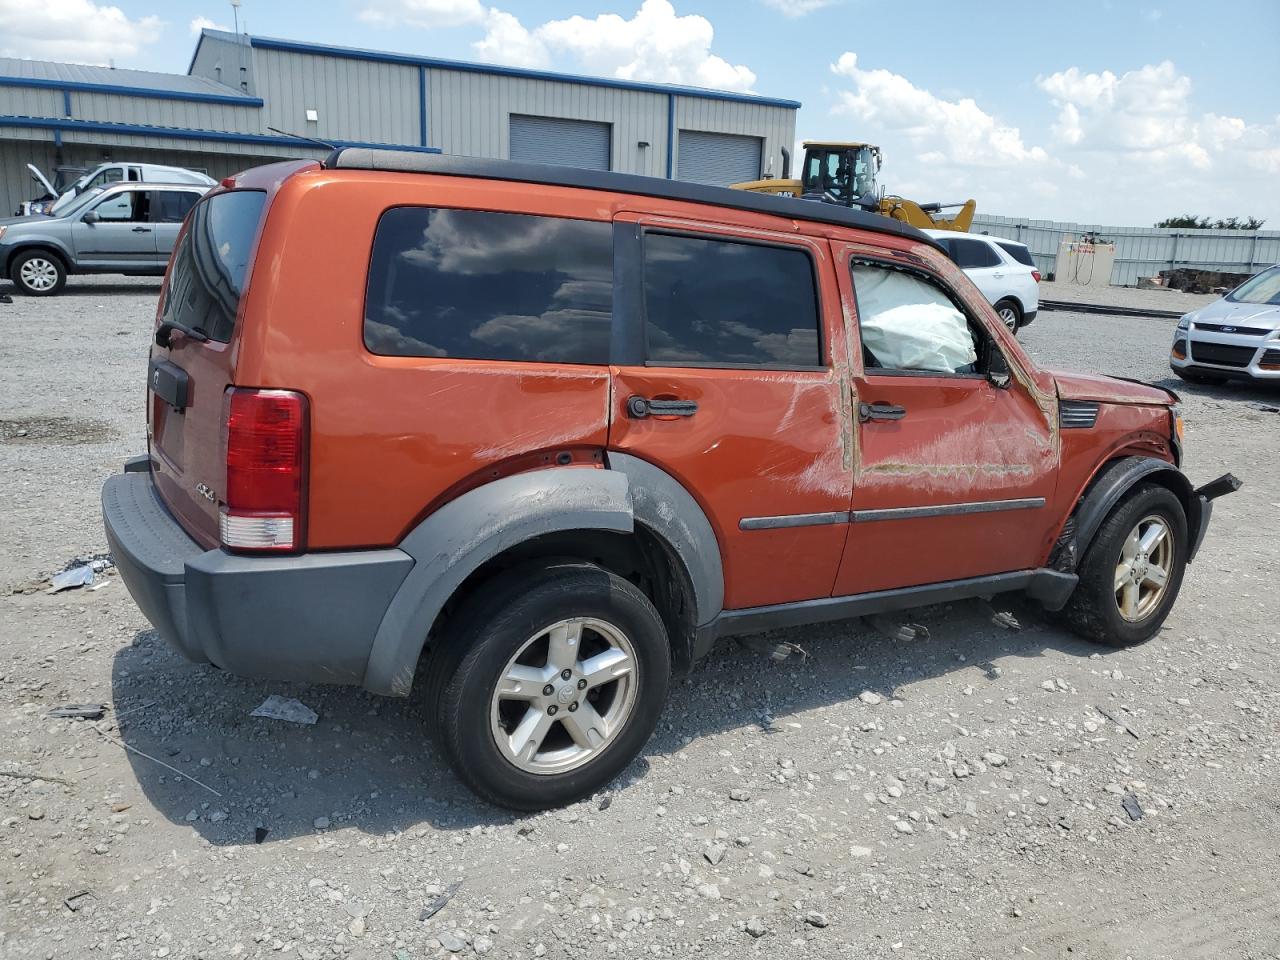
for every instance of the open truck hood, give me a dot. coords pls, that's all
(1085, 386)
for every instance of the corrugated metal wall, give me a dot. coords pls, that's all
(220, 60)
(1143, 251)
(356, 99)
(469, 114)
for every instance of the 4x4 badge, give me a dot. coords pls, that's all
(205, 491)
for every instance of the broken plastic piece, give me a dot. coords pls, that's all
(78, 900)
(439, 903)
(898, 631)
(276, 707)
(259, 834)
(80, 576)
(1131, 806)
(78, 711)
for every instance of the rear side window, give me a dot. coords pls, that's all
(969, 254)
(721, 302)
(1019, 253)
(171, 206)
(206, 278)
(490, 286)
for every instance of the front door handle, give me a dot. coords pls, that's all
(141, 229)
(641, 407)
(880, 411)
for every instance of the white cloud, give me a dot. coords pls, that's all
(76, 30)
(798, 8)
(204, 23)
(423, 13)
(955, 131)
(506, 40)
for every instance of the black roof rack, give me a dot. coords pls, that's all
(405, 161)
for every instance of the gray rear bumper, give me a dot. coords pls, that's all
(311, 617)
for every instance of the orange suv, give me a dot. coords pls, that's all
(537, 437)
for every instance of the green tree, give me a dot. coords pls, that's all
(1189, 221)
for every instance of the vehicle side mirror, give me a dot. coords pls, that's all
(91, 217)
(998, 369)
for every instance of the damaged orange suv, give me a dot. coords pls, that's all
(535, 438)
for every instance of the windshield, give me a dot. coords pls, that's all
(1264, 288)
(845, 174)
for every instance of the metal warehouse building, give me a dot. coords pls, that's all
(218, 116)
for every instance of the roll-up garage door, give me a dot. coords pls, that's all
(720, 158)
(570, 143)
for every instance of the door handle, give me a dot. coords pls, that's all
(641, 407)
(141, 229)
(880, 411)
(998, 276)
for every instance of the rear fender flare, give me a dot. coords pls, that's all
(453, 542)
(1116, 479)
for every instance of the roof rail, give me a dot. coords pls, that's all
(403, 161)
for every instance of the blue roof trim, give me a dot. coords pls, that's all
(154, 93)
(378, 56)
(186, 133)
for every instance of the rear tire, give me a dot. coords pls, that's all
(1131, 573)
(559, 674)
(1010, 315)
(38, 273)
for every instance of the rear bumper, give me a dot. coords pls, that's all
(311, 617)
(1028, 317)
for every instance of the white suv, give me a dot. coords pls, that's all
(1002, 269)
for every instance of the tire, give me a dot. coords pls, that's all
(1207, 380)
(1095, 608)
(38, 273)
(1010, 314)
(510, 628)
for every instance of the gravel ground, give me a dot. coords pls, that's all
(960, 796)
(1125, 296)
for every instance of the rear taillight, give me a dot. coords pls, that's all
(266, 436)
(1035, 275)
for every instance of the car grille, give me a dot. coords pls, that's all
(1221, 354)
(1232, 328)
(1077, 414)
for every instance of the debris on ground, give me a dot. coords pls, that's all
(1131, 806)
(260, 834)
(605, 802)
(1003, 618)
(1264, 407)
(1122, 724)
(276, 707)
(78, 711)
(78, 900)
(896, 630)
(71, 579)
(440, 902)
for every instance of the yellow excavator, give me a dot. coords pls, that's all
(845, 173)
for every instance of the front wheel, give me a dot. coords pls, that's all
(38, 274)
(563, 679)
(1131, 573)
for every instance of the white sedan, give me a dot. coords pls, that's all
(1002, 269)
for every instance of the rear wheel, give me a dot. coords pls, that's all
(1131, 573)
(562, 681)
(37, 273)
(1010, 315)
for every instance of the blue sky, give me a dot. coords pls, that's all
(1110, 111)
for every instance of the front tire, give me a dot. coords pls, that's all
(1132, 572)
(562, 682)
(38, 273)
(1010, 315)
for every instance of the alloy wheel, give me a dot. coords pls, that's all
(1009, 317)
(565, 695)
(1142, 571)
(38, 274)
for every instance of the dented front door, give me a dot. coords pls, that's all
(762, 446)
(953, 474)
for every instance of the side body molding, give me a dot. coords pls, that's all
(661, 503)
(452, 543)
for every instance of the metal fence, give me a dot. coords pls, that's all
(1143, 251)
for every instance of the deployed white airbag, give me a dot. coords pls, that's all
(908, 324)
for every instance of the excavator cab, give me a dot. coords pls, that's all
(843, 173)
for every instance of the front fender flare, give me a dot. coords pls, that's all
(40, 242)
(1116, 479)
(453, 542)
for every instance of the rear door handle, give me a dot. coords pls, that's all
(880, 411)
(141, 229)
(641, 407)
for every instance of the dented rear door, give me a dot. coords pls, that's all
(733, 385)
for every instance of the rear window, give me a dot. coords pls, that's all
(206, 277)
(490, 286)
(724, 303)
(969, 254)
(1019, 252)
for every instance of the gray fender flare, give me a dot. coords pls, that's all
(1116, 479)
(40, 242)
(452, 543)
